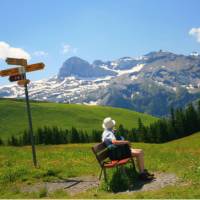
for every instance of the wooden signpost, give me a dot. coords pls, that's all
(19, 74)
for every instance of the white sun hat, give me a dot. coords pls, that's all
(108, 123)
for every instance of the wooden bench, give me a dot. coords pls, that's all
(101, 154)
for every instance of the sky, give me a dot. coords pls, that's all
(51, 31)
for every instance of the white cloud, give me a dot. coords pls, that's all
(67, 48)
(196, 33)
(40, 53)
(8, 51)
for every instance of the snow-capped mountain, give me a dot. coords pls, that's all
(151, 83)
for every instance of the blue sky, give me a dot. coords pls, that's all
(51, 31)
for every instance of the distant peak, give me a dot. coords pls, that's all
(75, 58)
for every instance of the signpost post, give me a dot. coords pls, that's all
(19, 74)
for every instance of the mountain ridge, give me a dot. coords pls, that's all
(151, 83)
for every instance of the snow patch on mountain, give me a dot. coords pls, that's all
(136, 68)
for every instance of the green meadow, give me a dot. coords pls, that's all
(13, 116)
(181, 157)
(58, 162)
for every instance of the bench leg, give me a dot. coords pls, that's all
(133, 164)
(105, 175)
(100, 174)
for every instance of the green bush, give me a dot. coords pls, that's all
(120, 179)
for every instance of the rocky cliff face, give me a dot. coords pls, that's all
(78, 67)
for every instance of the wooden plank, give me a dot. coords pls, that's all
(102, 156)
(9, 72)
(16, 71)
(34, 67)
(16, 61)
(99, 147)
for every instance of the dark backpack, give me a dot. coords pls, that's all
(118, 152)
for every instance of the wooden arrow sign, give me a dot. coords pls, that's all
(10, 72)
(16, 61)
(16, 70)
(19, 74)
(34, 67)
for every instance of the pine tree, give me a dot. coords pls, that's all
(191, 119)
(121, 131)
(96, 136)
(171, 131)
(14, 141)
(180, 123)
(163, 132)
(74, 136)
(87, 139)
(26, 138)
(134, 134)
(141, 130)
(1, 142)
(172, 116)
(82, 137)
(198, 112)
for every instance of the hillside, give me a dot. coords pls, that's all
(180, 157)
(13, 116)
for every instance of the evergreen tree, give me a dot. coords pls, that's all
(96, 136)
(26, 138)
(172, 116)
(198, 113)
(121, 131)
(180, 123)
(74, 136)
(87, 139)
(141, 130)
(163, 131)
(171, 131)
(191, 119)
(134, 135)
(1, 142)
(13, 141)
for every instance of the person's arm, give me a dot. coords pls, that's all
(118, 142)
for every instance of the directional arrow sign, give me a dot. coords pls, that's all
(34, 67)
(16, 77)
(19, 74)
(16, 70)
(9, 72)
(16, 61)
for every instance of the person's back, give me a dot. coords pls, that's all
(108, 136)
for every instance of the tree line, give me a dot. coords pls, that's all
(54, 135)
(179, 124)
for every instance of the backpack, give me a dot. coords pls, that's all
(118, 152)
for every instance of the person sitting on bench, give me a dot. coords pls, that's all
(109, 138)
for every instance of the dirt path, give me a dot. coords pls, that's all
(162, 180)
(71, 185)
(81, 184)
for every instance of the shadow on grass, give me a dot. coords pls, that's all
(123, 179)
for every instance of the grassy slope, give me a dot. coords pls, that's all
(13, 116)
(180, 157)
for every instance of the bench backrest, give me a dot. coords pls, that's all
(101, 152)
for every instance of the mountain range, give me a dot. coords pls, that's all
(152, 83)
